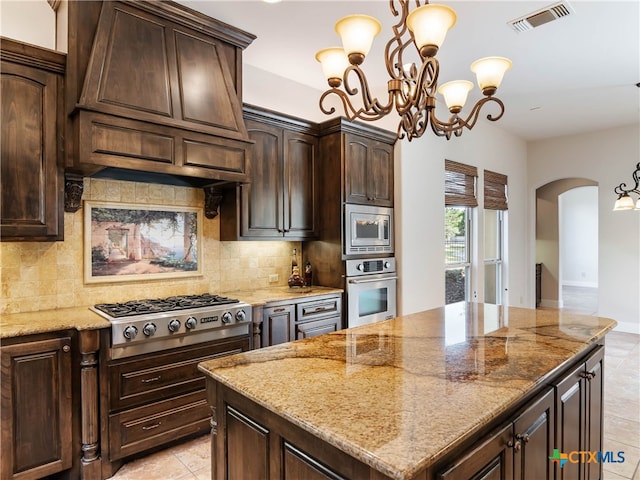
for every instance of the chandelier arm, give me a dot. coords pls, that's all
(349, 110)
(622, 188)
(372, 108)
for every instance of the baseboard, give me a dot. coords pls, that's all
(627, 327)
(550, 303)
(569, 283)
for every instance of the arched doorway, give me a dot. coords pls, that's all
(558, 221)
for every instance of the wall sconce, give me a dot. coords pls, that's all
(625, 201)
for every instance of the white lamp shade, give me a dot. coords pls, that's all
(624, 202)
(490, 70)
(334, 62)
(430, 24)
(357, 33)
(455, 93)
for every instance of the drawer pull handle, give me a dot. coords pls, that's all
(152, 379)
(279, 310)
(151, 427)
(320, 309)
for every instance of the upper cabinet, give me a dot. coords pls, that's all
(31, 142)
(280, 200)
(361, 157)
(155, 87)
(368, 171)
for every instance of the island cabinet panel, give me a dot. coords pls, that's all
(517, 451)
(579, 400)
(31, 188)
(249, 441)
(36, 408)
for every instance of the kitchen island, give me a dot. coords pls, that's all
(447, 393)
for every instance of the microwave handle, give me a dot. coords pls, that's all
(371, 280)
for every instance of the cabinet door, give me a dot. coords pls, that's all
(36, 408)
(276, 324)
(31, 201)
(262, 202)
(300, 210)
(491, 460)
(570, 415)
(535, 440)
(380, 172)
(368, 171)
(317, 327)
(356, 178)
(594, 411)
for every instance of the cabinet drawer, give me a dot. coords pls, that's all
(141, 428)
(156, 377)
(318, 327)
(317, 309)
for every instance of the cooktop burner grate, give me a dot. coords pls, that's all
(180, 302)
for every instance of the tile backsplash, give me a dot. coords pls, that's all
(48, 275)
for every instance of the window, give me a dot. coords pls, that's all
(460, 198)
(495, 204)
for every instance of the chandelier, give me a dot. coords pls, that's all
(625, 201)
(412, 88)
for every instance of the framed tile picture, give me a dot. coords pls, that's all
(125, 242)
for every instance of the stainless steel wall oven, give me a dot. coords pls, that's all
(371, 290)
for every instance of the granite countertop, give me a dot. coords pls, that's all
(82, 318)
(399, 394)
(43, 321)
(277, 294)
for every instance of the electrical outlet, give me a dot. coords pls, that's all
(273, 278)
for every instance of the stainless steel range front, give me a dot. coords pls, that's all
(144, 326)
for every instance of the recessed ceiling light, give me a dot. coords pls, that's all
(271, 1)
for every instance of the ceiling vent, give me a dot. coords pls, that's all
(542, 16)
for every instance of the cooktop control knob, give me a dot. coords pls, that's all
(130, 332)
(149, 329)
(241, 316)
(190, 323)
(174, 325)
(227, 317)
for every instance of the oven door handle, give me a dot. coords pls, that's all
(371, 280)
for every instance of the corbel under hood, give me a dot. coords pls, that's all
(153, 90)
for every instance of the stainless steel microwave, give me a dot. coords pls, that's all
(368, 229)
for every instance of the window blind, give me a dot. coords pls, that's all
(460, 184)
(495, 191)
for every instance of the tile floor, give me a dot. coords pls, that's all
(190, 460)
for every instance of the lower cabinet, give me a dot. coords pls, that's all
(156, 398)
(579, 397)
(36, 384)
(519, 450)
(284, 322)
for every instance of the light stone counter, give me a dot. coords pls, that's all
(400, 394)
(82, 318)
(43, 321)
(277, 294)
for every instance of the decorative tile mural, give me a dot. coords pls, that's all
(48, 275)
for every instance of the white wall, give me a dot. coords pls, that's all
(608, 157)
(19, 17)
(579, 237)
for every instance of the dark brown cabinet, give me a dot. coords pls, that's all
(283, 323)
(280, 202)
(36, 385)
(520, 450)
(580, 416)
(31, 189)
(154, 399)
(368, 171)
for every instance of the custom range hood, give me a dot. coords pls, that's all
(154, 93)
